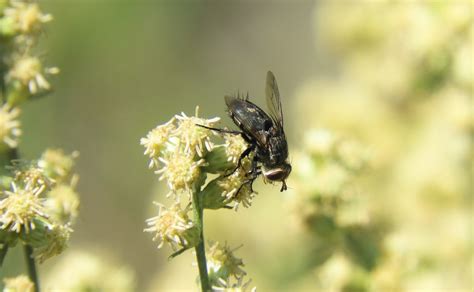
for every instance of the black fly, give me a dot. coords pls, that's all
(264, 133)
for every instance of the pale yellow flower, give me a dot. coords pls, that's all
(30, 73)
(196, 139)
(9, 126)
(32, 175)
(235, 145)
(173, 226)
(236, 189)
(20, 208)
(180, 171)
(26, 17)
(62, 203)
(155, 141)
(57, 165)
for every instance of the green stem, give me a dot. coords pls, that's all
(31, 265)
(200, 249)
(3, 253)
(12, 155)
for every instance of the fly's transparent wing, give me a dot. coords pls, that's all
(273, 99)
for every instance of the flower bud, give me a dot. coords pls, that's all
(218, 160)
(211, 197)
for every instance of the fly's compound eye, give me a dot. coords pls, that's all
(278, 173)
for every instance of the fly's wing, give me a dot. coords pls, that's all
(251, 119)
(273, 100)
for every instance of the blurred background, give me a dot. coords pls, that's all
(377, 98)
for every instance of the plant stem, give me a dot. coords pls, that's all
(31, 265)
(12, 155)
(200, 249)
(3, 253)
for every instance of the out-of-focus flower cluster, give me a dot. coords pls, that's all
(337, 163)
(24, 75)
(84, 271)
(403, 89)
(19, 283)
(331, 208)
(39, 203)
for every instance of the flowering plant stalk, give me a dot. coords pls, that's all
(198, 172)
(38, 202)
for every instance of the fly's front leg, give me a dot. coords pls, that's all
(220, 130)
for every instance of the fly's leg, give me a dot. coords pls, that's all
(246, 151)
(254, 168)
(242, 156)
(249, 181)
(253, 174)
(220, 130)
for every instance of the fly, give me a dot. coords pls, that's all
(264, 134)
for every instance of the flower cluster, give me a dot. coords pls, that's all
(183, 154)
(224, 268)
(20, 208)
(21, 23)
(173, 226)
(41, 204)
(80, 270)
(176, 150)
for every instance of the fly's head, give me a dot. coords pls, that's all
(278, 173)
